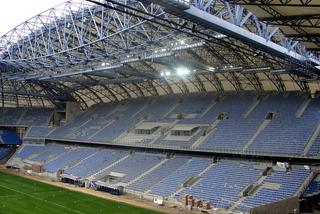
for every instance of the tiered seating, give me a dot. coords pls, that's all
(135, 165)
(122, 124)
(49, 152)
(170, 184)
(289, 182)
(314, 186)
(314, 115)
(68, 158)
(315, 148)
(61, 132)
(234, 132)
(28, 150)
(10, 116)
(36, 117)
(159, 108)
(4, 152)
(222, 184)
(38, 131)
(9, 137)
(158, 174)
(95, 163)
(286, 134)
(25, 116)
(194, 104)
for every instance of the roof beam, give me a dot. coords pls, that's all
(307, 35)
(216, 23)
(287, 3)
(290, 18)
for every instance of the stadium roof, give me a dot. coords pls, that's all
(298, 19)
(94, 52)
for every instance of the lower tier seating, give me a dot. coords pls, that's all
(220, 182)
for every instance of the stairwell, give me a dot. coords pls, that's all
(302, 108)
(79, 162)
(208, 109)
(201, 139)
(105, 126)
(148, 171)
(262, 126)
(171, 109)
(181, 188)
(251, 190)
(140, 110)
(311, 140)
(75, 129)
(251, 108)
(305, 184)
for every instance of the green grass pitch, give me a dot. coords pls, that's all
(21, 195)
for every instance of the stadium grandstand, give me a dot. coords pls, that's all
(204, 105)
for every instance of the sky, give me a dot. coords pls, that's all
(13, 13)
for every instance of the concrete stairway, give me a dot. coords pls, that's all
(302, 108)
(181, 188)
(305, 184)
(262, 126)
(202, 138)
(208, 109)
(148, 171)
(251, 108)
(102, 171)
(312, 139)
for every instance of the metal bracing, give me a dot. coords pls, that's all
(293, 22)
(276, 81)
(303, 85)
(254, 81)
(84, 33)
(279, 3)
(235, 24)
(94, 53)
(215, 81)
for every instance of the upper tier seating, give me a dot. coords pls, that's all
(77, 122)
(25, 116)
(38, 132)
(36, 117)
(237, 123)
(286, 134)
(157, 110)
(231, 133)
(180, 143)
(194, 104)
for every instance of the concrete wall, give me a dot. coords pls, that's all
(286, 206)
(72, 110)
